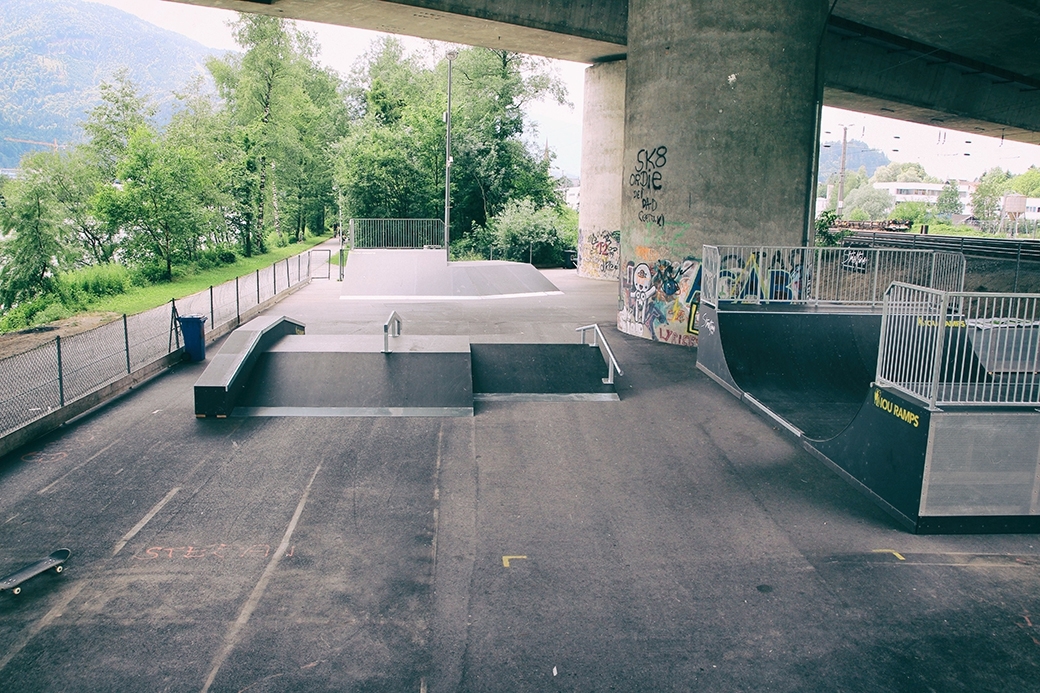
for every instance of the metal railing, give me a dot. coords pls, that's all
(396, 233)
(41, 380)
(598, 340)
(391, 328)
(855, 276)
(955, 348)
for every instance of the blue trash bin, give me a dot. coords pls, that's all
(192, 328)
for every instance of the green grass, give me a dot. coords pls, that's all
(140, 299)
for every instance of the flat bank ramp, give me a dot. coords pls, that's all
(427, 275)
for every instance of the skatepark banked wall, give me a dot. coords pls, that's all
(926, 401)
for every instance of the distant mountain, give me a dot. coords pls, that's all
(856, 154)
(55, 53)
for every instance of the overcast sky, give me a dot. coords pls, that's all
(943, 153)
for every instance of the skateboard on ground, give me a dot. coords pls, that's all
(53, 562)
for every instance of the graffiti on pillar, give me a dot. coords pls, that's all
(646, 180)
(599, 254)
(659, 299)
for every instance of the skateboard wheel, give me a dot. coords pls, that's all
(59, 568)
(16, 590)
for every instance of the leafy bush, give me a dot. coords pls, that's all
(530, 234)
(151, 273)
(825, 235)
(214, 257)
(95, 281)
(24, 314)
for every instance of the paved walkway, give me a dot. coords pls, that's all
(671, 541)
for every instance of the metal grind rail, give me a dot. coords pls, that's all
(391, 328)
(598, 340)
(813, 276)
(960, 348)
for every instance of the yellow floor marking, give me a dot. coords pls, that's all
(506, 559)
(891, 551)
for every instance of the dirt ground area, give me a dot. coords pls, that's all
(21, 341)
(1000, 276)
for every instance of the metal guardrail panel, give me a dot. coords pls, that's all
(854, 276)
(957, 348)
(396, 233)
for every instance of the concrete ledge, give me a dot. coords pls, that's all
(228, 372)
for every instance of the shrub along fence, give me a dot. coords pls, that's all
(44, 387)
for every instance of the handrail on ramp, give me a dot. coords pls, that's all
(608, 356)
(391, 328)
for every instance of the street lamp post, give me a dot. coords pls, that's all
(447, 156)
(841, 177)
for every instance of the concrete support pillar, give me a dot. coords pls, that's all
(602, 155)
(721, 114)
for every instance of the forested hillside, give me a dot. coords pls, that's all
(55, 53)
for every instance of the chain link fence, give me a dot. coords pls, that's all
(53, 375)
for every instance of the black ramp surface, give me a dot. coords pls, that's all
(812, 368)
(344, 379)
(548, 368)
(884, 449)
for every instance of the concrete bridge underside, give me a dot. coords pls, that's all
(702, 116)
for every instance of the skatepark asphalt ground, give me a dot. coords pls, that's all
(672, 541)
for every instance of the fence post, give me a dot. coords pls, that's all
(939, 339)
(212, 318)
(352, 233)
(288, 279)
(126, 341)
(61, 377)
(1018, 265)
(238, 304)
(258, 287)
(174, 332)
(874, 287)
(274, 278)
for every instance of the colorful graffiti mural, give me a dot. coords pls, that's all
(753, 278)
(659, 299)
(599, 254)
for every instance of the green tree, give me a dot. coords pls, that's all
(162, 203)
(287, 112)
(986, 200)
(30, 249)
(109, 125)
(914, 212)
(906, 172)
(871, 201)
(492, 165)
(853, 181)
(1027, 183)
(392, 161)
(949, 200)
